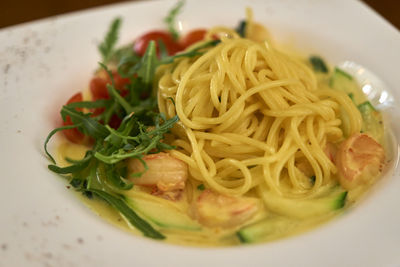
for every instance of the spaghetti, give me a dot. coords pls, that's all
(251, 115)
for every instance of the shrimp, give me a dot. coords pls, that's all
(359, 159)
(258, 33)
(164, 172)
(215, 210)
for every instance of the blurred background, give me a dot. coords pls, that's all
(17, 11)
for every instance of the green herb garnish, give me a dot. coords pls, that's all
(106, 48)
(102, 173)
(170, 19)
(201, 187)
(241, 28)
(318, 64)
(119, 204)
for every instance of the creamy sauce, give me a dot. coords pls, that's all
(204, 237)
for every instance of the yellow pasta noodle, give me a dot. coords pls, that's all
(248, 109)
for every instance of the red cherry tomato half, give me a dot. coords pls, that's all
(192, 37)
(73, 135)
(143, 41)
(98, 85)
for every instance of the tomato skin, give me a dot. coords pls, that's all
(120, 83)
(73, 135)
(98, 88)
(75, 98)
(115, 121)
(143, 41)
(192, 37)
(98, 85)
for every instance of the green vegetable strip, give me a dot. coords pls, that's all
(366, 107)
(341, 201)
(345, 74)
(129, 214)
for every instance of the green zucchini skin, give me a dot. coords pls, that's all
(290, 212)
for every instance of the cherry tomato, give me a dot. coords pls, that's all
(75, 98)
(73, 135)
(143, 41)
(120, 83)
(192, 37)
(115, 121)
(98, 88)
(98, 85)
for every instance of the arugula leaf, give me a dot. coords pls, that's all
(141, 106)
(107, 114)
(130, 215)
(148, 64)
(76, 182)
(118, 137)
(77, 166)
(126, 65)
(162, 48)
(241, 28)
(318, 64)
(53, 132)
(69, 169)
(106, 48)
(119, 99)
(89, 104)
(191, 53)
(170, 19)
(123, 52)
(109, 174)
(88, 124)
(146, 67)
(142, 144)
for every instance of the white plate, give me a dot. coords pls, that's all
(43, 63)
